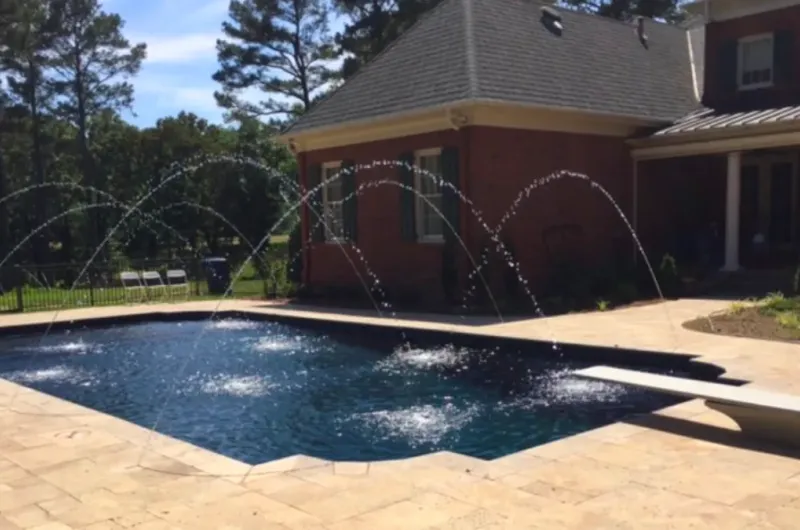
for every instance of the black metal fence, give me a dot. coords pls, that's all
(74, 285)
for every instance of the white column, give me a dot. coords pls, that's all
(732, 204)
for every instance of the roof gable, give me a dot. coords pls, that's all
(499, 50)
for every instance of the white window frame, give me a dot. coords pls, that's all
(327, 167)
(743, 42)
(419, 203)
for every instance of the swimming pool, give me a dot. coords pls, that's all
(257, 391)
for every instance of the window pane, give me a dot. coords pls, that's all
(430, 166)
(334, 191)
(432, 223)
(427, 185)
(333, 219)
(757, 61)
(332, 205)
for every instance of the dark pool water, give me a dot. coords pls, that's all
(258, 391)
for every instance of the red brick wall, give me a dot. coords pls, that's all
(717, 33)
(505, 161)
(496, 164)
(394, 261)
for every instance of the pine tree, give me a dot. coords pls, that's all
(8, 14)
(668, 10)
(92, 66)
(373, 25)
(28, 36)
(280, 48)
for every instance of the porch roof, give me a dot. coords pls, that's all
(707, 131)
(708, 119)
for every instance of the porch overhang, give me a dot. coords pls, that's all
(707, 132)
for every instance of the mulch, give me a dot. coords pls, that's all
(750, 323)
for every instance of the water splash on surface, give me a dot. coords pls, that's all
(58, 374)
(78, 347)
(275, 344)
(237, 386)
(424, 358)
(422, 424)
(233, 324)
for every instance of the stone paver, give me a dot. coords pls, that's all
(65, 467)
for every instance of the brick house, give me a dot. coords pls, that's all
(685, 126)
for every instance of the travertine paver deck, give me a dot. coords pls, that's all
(66, 467)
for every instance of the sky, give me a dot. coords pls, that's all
(181, 57)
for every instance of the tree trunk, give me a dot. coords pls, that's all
(4, 243)
(92, 231)
(3, 209)
(37, 161)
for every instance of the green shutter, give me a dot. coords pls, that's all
(728, 67)
(783, 53)
(313, 181)
(350, 208)
(451, 201)
(408, 224)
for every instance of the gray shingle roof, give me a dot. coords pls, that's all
(499, 50)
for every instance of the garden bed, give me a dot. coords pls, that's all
(773, 318)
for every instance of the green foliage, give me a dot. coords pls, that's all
(295, 255)
(668, 276)
(785, 310)
(372, 25)
(669, 10)
(28, 31)
(92, 61)
(280, 47)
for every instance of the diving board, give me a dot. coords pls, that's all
(760, 414)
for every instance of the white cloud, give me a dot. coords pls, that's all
(168, 92)
(213, 10)
(179, 48)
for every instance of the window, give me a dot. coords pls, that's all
(755, 62)
(428, 220)
(332, 205)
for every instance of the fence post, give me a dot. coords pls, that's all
(18, 288)
(91, 287)
(265, 278)
(198, 274)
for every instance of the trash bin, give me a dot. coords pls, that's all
(218, 275)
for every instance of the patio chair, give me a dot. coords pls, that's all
(132, 283)
(152, 282)
(178, 282)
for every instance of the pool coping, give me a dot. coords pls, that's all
(212, 464)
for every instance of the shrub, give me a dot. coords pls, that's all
(295, 256)
(668, 276)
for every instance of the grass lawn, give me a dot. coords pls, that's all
(774, 317)
(40, 299)
(249, 285)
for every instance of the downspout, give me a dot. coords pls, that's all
(464, 176)
(305, 236)
(459, 122)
